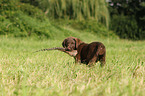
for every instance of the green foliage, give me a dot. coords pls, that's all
(6, 26)
(22, 20)
(92, 26)
(126, 27)
(33, 11)
(76, 9)
(9, 5)
(127, 18)
(89, 26)
(141, 17)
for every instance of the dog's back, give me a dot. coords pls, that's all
(90, 53)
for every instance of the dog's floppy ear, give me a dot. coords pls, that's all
(77, 42)
(63, 43)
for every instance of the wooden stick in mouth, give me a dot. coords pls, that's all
(55, 48)
(72, 53)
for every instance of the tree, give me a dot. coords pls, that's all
(75, 9)
(128, 18)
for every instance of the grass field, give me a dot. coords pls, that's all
(54, 73)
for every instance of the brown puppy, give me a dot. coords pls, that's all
(82, 52)
(71, 43)
(91, 53)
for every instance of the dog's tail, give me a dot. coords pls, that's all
(55, 48)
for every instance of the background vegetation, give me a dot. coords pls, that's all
(128, 18)
(54, 73)
(21, 19)
(74, 9)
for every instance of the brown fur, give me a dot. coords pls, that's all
(71, 43)
(91, 53)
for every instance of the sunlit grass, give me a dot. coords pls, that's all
(52, 73)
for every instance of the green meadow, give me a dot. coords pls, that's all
(54, 73)
(30, 25)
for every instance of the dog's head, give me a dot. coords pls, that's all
(71, 43)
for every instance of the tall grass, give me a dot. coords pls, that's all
(76, 9)
(54, 73)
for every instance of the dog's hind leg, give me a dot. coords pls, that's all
(102, 60)
(92, 61)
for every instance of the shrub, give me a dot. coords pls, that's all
(126, 27)
(22, 25)
(7, 27)
(32, 11)
(22, 20)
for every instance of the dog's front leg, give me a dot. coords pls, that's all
(78, 59)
